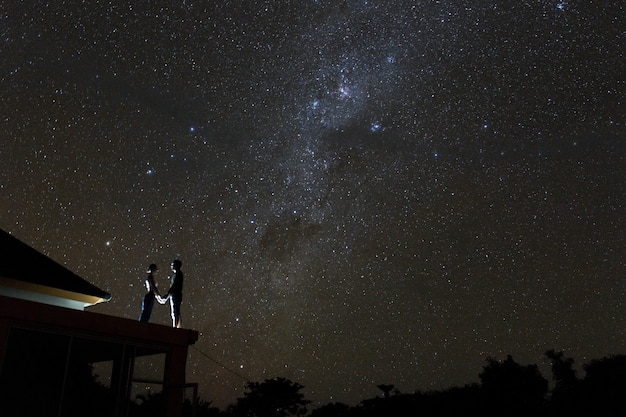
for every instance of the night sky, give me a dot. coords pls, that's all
(360, 192)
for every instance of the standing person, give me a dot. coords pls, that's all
(175, 293)
(148, 300)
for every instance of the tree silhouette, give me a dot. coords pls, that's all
(386, 389)
(604, 387)
(278, 397)
(82, 392)
(563, 372)
(149, 405)
(332, 410)
(512, 389)
(565, 395)
(506, 389)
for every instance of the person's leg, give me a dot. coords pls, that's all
(172, 312)
(142, 316)
(175, 304)
(146, 308)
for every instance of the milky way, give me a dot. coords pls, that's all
(360, 192)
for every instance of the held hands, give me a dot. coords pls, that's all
(160, 299)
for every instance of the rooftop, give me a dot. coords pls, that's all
(28, 274)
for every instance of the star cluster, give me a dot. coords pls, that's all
(360, 192)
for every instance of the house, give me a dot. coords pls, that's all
(58, 359)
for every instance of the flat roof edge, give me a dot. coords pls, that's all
(32, 314)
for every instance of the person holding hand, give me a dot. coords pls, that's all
(148, 299)
(175, 293)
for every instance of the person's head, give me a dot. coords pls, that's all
(176, 265)
(152, 268)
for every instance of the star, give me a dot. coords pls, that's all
(375, 127)
(344, 181)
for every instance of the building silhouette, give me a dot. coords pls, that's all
(57, 359)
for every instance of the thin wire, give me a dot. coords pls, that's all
(220, 364)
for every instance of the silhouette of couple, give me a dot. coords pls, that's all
(174, 294)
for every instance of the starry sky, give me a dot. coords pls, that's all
(361, 192)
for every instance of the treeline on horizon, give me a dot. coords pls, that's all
(506, 388)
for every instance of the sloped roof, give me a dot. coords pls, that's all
(25, 268)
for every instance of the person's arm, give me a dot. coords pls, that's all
(170, 290)
(163, 298)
